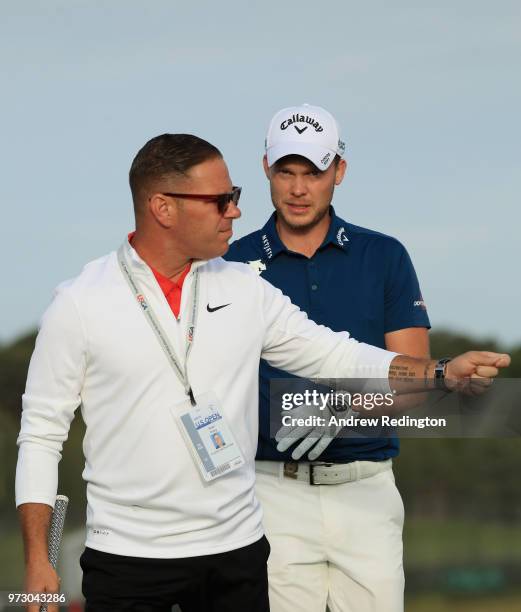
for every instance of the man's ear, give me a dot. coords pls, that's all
(162, 209)
(340, 171)
(266, 167)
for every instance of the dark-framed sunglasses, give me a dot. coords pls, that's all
(221, 199)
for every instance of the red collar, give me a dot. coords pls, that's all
(171, 289)
(167, 285)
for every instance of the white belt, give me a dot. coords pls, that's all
(318, 473)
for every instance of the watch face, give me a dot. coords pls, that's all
(439, 373)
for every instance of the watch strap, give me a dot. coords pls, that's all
(439, 373)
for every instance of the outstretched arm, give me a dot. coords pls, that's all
(409, 377)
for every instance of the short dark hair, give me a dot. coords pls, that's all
(164, 156)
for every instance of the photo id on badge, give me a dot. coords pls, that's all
(208, 437)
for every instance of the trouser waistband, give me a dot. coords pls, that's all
(321, 473)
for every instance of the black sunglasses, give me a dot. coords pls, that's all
(222, 199)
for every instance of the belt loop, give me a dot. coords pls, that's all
(281, 470)
(357, 469)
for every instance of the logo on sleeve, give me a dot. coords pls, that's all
(420, 303)
(258, 266)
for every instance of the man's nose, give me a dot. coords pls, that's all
(232, 211)
(299, 186)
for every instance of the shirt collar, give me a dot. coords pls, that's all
(140, 266)
(336, 235)
(167, 285)
(272, 245)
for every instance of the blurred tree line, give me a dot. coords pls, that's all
(438, 478)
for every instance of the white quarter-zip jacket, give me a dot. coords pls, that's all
(96, 349)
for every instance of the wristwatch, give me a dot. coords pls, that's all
(439, 373)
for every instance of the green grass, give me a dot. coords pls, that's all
(431, 543)
(437, 603)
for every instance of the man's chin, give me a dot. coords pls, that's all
(224, 250)
(300, 224)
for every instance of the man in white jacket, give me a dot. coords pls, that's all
(159, 344)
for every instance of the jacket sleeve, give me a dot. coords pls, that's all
(52, 394)
(298, 345)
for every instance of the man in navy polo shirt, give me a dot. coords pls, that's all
(348, 278)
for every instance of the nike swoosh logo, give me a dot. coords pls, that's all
(210, 309)
(301, 130)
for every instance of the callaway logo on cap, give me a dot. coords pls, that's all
(304, 130)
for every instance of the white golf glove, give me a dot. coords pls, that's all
(314, 435)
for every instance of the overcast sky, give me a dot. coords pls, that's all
(428, 96)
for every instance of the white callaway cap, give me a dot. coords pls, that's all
(304, 130)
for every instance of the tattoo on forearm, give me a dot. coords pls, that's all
(402, 373)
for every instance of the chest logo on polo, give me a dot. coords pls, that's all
(341, 237)
(258, 266)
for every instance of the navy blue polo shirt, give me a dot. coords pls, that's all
(358, 281)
